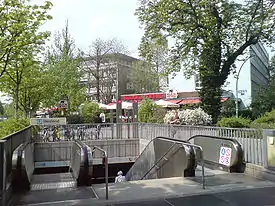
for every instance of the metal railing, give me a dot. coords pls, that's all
(251, 139)
(195, 147)
(106, 167)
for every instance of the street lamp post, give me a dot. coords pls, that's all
(237, 86)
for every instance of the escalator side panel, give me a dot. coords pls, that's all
(143, 163)
(212, 148)
(81, 163)
(23, 167)
(178, 161)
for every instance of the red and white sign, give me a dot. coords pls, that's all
(137, 97)
(225, 156)
(171, 95)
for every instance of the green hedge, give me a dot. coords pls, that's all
(12, 125)
(234, 122)
(267, 121)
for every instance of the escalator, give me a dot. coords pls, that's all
(33, 188)
(162, 158)
(166, 157)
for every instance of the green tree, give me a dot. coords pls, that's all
(209, 36)
(149, 111)
(19, 29)
(157, 57)
(89, 111)
(1, 108)
(265, 100)
(63, 72)
(143, 78)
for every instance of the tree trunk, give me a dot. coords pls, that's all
(97, 82)
(211, 79)
(210, 95)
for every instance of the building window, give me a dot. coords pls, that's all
(197, 82)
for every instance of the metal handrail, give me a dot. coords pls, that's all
(191, 145)
(106, 167)
(158, 161)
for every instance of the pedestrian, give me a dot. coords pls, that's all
(120, 177)
(102, 116)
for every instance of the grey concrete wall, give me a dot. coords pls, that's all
(54, 151)
(116, 148)
(259, 172)
(61, 151)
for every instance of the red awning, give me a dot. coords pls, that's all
(174, 101)
(195, 101)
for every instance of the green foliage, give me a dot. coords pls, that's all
(266, 121)
(228, 108)
(12, 125)
(265, 100)
(149, 111)
(246, 113)
(158, 115)
(75, 119)
(20, 23)
(207, 37)
(89, 111)
(234, 122)
(1, 109)
(20, 43)
(143, 78)
(62, 72)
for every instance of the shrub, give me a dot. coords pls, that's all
(267, 121)
(148, 111)
(89, 111)
(158, 115)
(75, 119)
(234, 122)
(169, 116)
(190, 117)
(12, 125)
(194, 117)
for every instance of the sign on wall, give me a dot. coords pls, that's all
(225, 156)
(48, 121)
(171, 95)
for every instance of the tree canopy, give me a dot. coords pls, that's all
(208, 36)
(19, 29)
(63, 72)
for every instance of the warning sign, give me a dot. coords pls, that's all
(225, 156)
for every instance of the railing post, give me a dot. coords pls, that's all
(3, 172)
(106, 174)
(202, 168)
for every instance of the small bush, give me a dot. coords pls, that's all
(12, 125)
(89, 111)
(75, 119)
(267, 121)
(190, 117)
(158, 115)
(194, 117)
(234, 122)
(147, 111)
